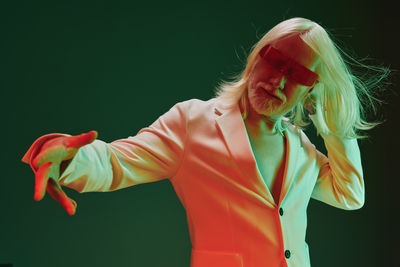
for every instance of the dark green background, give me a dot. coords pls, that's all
(74, 66)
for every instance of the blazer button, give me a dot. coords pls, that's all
(281, 211)
(287, 254)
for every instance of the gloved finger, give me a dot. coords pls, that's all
(59, 195)
(78, 141)
(39, 159)
(41, 178)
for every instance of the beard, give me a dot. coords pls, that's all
(262, 102)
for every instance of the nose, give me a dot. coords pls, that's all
(278, 81)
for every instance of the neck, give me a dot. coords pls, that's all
(261, 125)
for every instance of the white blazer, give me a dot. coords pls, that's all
(233, 219)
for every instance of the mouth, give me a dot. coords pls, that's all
(270, 93)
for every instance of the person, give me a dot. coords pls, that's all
(240, 162)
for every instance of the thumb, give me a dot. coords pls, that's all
(78, 141)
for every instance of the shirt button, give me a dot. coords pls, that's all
(281, 211)
(287, 254)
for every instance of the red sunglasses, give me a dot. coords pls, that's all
(290, 68)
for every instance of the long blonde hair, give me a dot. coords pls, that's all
(338, 97)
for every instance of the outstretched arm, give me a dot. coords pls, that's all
(153, 154)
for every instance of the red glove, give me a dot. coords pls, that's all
(46, 156)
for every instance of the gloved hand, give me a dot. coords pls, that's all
(48, 156)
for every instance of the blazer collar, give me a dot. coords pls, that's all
(231, 125)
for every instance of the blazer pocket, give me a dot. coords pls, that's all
(204, 258)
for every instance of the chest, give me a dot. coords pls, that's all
(269, 154)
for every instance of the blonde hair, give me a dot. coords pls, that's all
(338, 97)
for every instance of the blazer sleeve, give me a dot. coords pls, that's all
(340, 181)
(155, 153)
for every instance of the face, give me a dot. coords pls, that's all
(273, 92)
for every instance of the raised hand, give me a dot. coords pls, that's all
(49, 162)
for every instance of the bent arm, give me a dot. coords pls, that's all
(153, 154)
(340, 181)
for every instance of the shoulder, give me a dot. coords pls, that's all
(298, 133)
(193, 107)
(196, 103)
(290, 128)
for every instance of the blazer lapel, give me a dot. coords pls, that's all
(231, 125)
(292, 152)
